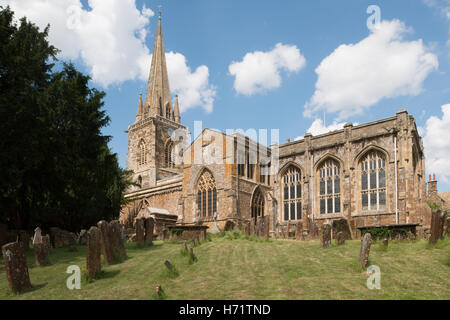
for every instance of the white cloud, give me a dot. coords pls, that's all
(260, 71)
(109, 37)
(436, 139)
(355, 77)
(318, 127)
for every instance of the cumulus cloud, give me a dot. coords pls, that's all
(260, 71)
(318, 127)
(110, 38)
(437, 144)
(355, 77)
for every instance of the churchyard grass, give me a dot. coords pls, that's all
(230, 268)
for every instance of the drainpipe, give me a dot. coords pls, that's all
(396, 184)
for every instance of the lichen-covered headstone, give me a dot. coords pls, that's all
(93, 256)
(325, 235)
(149, 226)
(436, 226)
(105, 241)
(140, 231)
(116, 239)
(365, 249)
(41, 253)
(340, 238)
(16, 267)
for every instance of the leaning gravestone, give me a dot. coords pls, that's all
(16, 266)
(340, 238)
(140, 231)
(325, 235)
(365, 249)
(93, 256)
(37, 236)
(299, 231)
(105, 240)
(191, 254)
(41, 252)
(116, 239)
(149, 226)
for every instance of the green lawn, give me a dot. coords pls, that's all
(244, 269)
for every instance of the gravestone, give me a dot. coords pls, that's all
(93, 256)
(149, 225)
(82, 237)
(46, 241)
(385, 242)
(140, 231)
(340, 238)
(341, 225)
(447, 226)
(252, 226)
(37, 239)
(288, 231)
(16, 266)
(55, 236)
(107, 247)
(436, 226)
(116, 239)
(325, 235)
(299, 231)
(365, 249)
(41, 252)
(185, 246)
(168, 265)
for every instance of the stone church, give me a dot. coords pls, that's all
(370, 175)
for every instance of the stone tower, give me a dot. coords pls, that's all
(150, 147)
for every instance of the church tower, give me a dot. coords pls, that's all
(150, 147)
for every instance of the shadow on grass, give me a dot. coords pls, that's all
(34, 287)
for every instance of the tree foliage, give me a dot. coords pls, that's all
(56, 167)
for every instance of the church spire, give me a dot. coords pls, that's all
(176, 111)
(157, 97)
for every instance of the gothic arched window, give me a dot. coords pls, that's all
(373, 181)
(169, 155)
(142, 153)
(206, 195)
(292, 194)
(257, 204)
(329, 187)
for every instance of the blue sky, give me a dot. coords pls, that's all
(212, 34)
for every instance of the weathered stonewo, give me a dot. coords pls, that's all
(37, 236)
(299, 231)
(436, 226)
(325, 235)
(149, 226)
(107, 247)
(93, 256)
(116, 239)
(266, 226)
(365, 249)
(340, 238)
(140, 231)
(16, 267)
(41, 252)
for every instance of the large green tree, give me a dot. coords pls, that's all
(55, 165)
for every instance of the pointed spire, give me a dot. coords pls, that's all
(140, 110)
(157, 97)
(176, 111)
